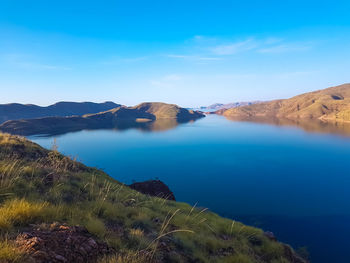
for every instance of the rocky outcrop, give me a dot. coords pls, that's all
(154, 188)
(292, 256)
(59, 243)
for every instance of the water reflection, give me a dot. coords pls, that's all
(309, 125)
(145, 125)
(156, 125)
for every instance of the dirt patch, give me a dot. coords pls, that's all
(60, 243)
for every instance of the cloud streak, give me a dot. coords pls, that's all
(234, 48)
(194, 58)
(115, 60)
(28, 63)
(220, 48)
(284, 48)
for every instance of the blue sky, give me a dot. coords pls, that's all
(187, 52)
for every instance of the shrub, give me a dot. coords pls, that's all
(127, 258)
(95, 226)
(238, 259)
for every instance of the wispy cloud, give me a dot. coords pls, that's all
(115, 60)
(168, 81)
(219, 48)
(194, 58)
(272, 40)
(234, 48)
(284, 48)
(29, 62)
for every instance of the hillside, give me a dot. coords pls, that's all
(15, 111)
(332, 104)
(54, 209)
(142, 115)
(162, 110)
(220, 106)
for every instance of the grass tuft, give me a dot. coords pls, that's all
(20, 212)
(9, 252)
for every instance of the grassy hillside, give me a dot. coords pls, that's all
(39, 187)
(332, 104)
(120, 118)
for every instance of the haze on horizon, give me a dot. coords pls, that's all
(191, 53)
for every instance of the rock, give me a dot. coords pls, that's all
(292, 256)
(60, 243)
(154, 188)
(255, 241)
(270, 235)
(60, 258)
(289, 253)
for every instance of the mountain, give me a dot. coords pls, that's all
(121, 117)
(54, 209)
(162, 110)
(15, 111)
(220, 106)
(332, 104)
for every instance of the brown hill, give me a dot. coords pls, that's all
(162, 110)
(332, 104)
(120, 117)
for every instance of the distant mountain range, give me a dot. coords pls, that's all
(119, 117)
(332, 104)
(220, 106)
(15, 111)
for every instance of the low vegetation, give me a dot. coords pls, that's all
(38, 186)
(9, 251)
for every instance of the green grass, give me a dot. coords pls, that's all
(44, 187)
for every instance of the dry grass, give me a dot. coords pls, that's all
(136, 232)
(9, 252)
(20, 212)
(127, 258)
(10, 172)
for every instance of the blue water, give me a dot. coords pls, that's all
(281, 178)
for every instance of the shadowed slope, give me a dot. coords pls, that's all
(15, 111)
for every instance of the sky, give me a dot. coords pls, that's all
(188, 52)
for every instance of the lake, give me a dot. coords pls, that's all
(289, 180)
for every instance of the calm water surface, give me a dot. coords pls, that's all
(281, 178)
